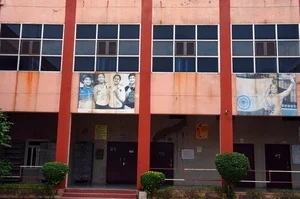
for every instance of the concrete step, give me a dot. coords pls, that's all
(99, 193)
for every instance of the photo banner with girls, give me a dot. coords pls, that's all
(106, 92)
(266, 94)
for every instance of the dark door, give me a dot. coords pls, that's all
(278, 158)
(162, 156)
(121, 165)
(248, 151)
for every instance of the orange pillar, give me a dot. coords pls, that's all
(145, 85)
(226, 131)
(64, 115)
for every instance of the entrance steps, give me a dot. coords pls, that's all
(99, 194)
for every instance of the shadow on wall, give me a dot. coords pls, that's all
(170, 129)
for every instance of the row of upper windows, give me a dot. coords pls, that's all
(176, 48)
(31, 47)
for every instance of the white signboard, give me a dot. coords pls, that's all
(187, 154)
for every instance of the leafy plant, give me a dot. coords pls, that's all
(54, 173)
(257, 194)
(151, 181)
(21, 191)
(191, 192)
(165, 193)
(232, 167)
(5, 139)
(5, 168)
(286, 194)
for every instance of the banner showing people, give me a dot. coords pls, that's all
(266, 94)
(106, 92)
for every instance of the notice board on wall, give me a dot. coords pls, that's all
(296, 154)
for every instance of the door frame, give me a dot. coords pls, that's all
(248, 184)
(107, 148)
(269, 185)
(27, 146)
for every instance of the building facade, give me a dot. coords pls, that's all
(116, 88)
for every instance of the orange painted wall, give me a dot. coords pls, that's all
(185, 12)
(174, 93)
(108, 11)
(33, 11)
(266, 11)
(30, 91)
(185, 93)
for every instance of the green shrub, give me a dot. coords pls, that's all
(232, 167)
(286, 194)
(5, 168)
(257, 194)
(165, 193)
(20, 191)
(190, 192)
(151, 181)
(54, 173)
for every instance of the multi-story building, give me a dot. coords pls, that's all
(97, 84)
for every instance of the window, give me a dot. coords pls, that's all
(31, 47)
(271, 48)
(107, 48)
(185, 48)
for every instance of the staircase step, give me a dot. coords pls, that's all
(73, 193)
(94, 198)
(99, 195)
(116, 191)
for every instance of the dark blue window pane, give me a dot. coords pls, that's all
(51, 64)
(31, 31)
(185, 32)
(85, 48)
(208, 65)
(129, 31)
(287, 31)
(242, 32)
(106, 64)
(264, 31)
(162, 64)
(10, 31)
(9, 46)
(243, 65)
(207, 32)
(29, 63)
(289, 65)
(107, 32)
(8, 62)
(163, 32)
(86, 32)
(130, 64)
(184, 64)
(53, 31)
(84, 64)
(266, 65)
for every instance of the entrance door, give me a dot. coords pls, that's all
(278, 158)
(162, 156)
(121, 165)
(248, 151)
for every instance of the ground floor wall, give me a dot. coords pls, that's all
(179, 130)
(267, 130)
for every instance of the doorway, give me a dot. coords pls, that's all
(162, 156)
(278, 158)
(248, 151)
(121, 162)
